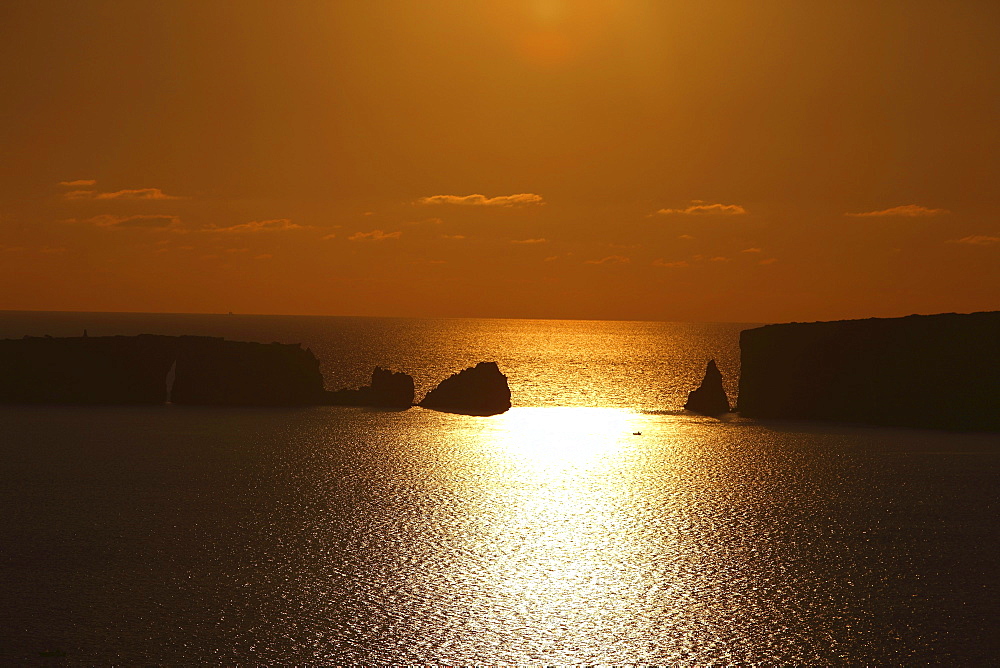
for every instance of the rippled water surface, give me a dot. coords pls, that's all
(607, 534)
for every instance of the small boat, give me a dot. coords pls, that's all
(637, 433)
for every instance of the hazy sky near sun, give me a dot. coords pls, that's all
(664, 160)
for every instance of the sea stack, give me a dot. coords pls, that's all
(479, 390)
(387, 390)
(710, 397)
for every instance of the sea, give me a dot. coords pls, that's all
(594, 523)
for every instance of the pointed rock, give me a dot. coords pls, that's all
(710, 397)
(479, 390)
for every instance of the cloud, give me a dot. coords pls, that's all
(906, 211)
(263, 256)
(660, 263)
(976, 240)
(610, 259)
(254, 226)
(529, 241)
(770, 260)
(520, 199)
(551, 258)
(138, 193)
(374, 235)
(124, 222)
(52, 250)
(237, 250)
(327, 237)
(425, 221)
(79, 183)
(701, 208)
(686, 237)
(750, 250)
(454, 237)
(718, 258)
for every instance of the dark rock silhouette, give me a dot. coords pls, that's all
(213, 371)
(479, 390)
(134, 370)
(938, 371)
(710, 397)
(387, 390)
(85, 370)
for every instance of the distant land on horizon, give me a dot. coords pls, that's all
(457, 317)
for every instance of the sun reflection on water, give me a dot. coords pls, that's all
(541, 442)
(562, 543)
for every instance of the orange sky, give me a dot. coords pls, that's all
(661, 160)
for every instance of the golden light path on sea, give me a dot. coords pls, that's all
(568, 554)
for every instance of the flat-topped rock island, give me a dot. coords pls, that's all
(930, 371)
(154, 369)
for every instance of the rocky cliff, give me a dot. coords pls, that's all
(937, 371)
(85, 370)
(213, 371)
(134, 370)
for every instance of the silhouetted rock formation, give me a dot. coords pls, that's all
(938, 371)
(85, 370)
(134, 369)
(710, 397)
(213, 371)
(479, 390)
(388, 390)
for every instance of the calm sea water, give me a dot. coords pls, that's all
(554, 533)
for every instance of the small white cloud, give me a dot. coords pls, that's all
(138, 193)
(610, 259)
(276, 225)
(110, 221)
(976, 240)
(906, 211)
(374, 235)
(701, 208)
(520, 199)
